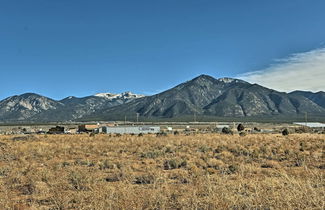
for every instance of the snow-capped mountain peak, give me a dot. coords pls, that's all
(125, 95)
(107, 95)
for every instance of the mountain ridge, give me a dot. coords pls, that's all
(31, 107)
(203, 96)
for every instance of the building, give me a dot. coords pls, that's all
(94, 127)
(311, 124)
(72, 130)
(222, 126)
(130, 129)
(88, 127)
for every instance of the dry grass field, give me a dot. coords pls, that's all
(202, 171)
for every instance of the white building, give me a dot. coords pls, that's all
(311, 124)
(131, 129)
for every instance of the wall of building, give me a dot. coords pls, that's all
(131, 129)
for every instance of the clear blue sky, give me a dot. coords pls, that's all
(59, 48)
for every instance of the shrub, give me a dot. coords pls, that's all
(204, 149)
(219, 149)
(322, 166)
(81, 162)
(242, 134)
(214, 163)
(215, 130)
(65, 164)
(144, 179)
(174, 164)
(168, 150)
(152, 154)
(299, 162)
(232, 169)
(161, 134)
(27, 189)
(4, 172)
(266, 165)
(20, 138)
(226, 130)
(285, 132)
(114, 177)
(303, 129)
(240, 127)
(78, 180)
(270, 164)
(106, 165)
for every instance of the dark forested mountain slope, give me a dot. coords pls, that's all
(205, 95)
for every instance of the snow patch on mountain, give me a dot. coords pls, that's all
(125, 95)
(106, 95)
(226, 80)
(230, 80)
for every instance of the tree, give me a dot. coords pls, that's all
(240, 127)
(285, 132)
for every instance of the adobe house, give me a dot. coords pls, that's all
(88, 127)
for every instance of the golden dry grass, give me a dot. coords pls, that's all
(203, 171)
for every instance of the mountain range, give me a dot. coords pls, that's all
(204, 96)
(31, 107)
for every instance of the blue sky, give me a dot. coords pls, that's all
(76, 47)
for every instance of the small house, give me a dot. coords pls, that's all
(88, 127)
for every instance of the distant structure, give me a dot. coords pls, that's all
(88, 127)
(93, 127)
(129, 129)
(220, 127)
(311, 124)
(56, 130)
(72, 130)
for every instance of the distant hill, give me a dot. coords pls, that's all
(25, 107)
(318, 98)
(203, 96)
